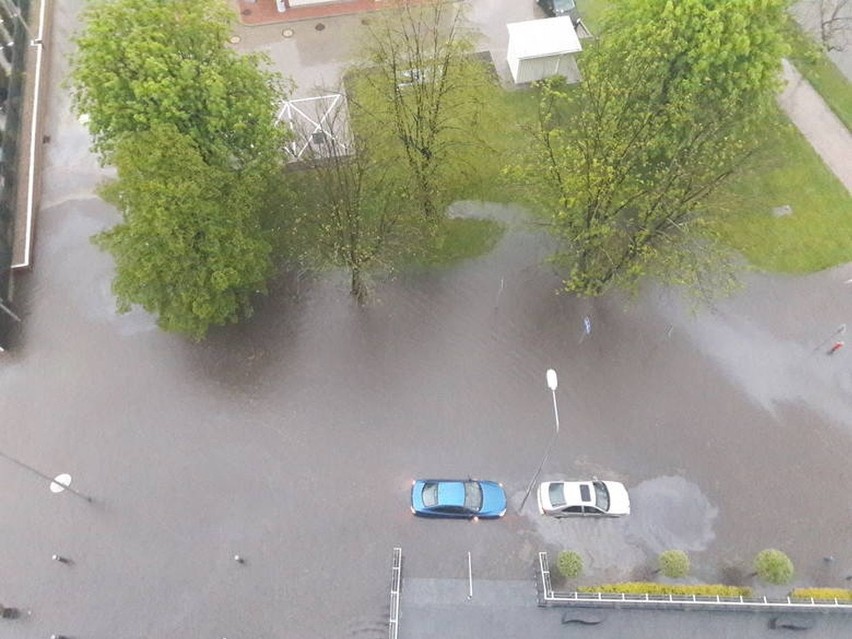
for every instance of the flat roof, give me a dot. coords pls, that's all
(542, 38)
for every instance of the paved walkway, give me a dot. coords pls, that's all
(817, 122)
(266, 11)
(503, 609)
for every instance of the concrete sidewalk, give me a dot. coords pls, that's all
(826, 133)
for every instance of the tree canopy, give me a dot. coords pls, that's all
(189, 248)
(144, 62)
(667, 110)
(190, 125)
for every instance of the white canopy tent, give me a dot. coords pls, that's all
(541, 48)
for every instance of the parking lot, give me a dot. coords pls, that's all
(292, 439)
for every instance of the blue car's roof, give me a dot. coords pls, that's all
(451, 493)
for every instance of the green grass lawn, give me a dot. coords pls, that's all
(817, 235)
(591, 12)
(460, 239)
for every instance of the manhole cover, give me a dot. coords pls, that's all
(234, 39)
(320, 26)
(246, 12)
(287, 33)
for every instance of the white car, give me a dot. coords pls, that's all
(579, 498)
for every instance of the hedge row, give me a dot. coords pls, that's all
(829, 594)
(651, 588)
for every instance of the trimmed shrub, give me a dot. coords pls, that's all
(651, 588)
(828, 594)
(569, 564)
(674, 564)
(773, 566)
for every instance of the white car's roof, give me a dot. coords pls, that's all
(582, 493)
(576, 491)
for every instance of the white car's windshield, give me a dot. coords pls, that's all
(601, 496)
(556, 492)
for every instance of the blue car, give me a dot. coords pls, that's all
(458, 498)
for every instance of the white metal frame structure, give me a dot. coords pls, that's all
(314, 122)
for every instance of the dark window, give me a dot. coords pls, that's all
(561, 7)
(585, 493)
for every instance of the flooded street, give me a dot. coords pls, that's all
(293, 438)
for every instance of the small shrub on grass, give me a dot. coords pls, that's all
(569, 564)
(773, 566)
(674, 564)
(650, 588)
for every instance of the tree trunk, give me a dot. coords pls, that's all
(358, 288)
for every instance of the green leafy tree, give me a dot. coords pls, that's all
(670, 102)
(419, 94)
(190, 125)
(773, 566)
(674, 564)
(189, 249)
(144, 62)
(569, 564)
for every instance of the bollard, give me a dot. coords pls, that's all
(837, 346)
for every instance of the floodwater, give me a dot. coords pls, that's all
(292, 439)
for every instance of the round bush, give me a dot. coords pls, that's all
(569, 564)
(773, 566)
(674, 564)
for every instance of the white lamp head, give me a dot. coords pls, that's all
(552, 380)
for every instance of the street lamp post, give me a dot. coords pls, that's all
(552, 383)
(57, 484)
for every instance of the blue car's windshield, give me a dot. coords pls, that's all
(562, 6)
(472, 496)
(430, 495)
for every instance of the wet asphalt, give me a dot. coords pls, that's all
(292, 439)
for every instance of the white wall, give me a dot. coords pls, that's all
(526, 70)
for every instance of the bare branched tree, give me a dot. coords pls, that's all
(355, 216)
(835, 24)
(420, 83)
